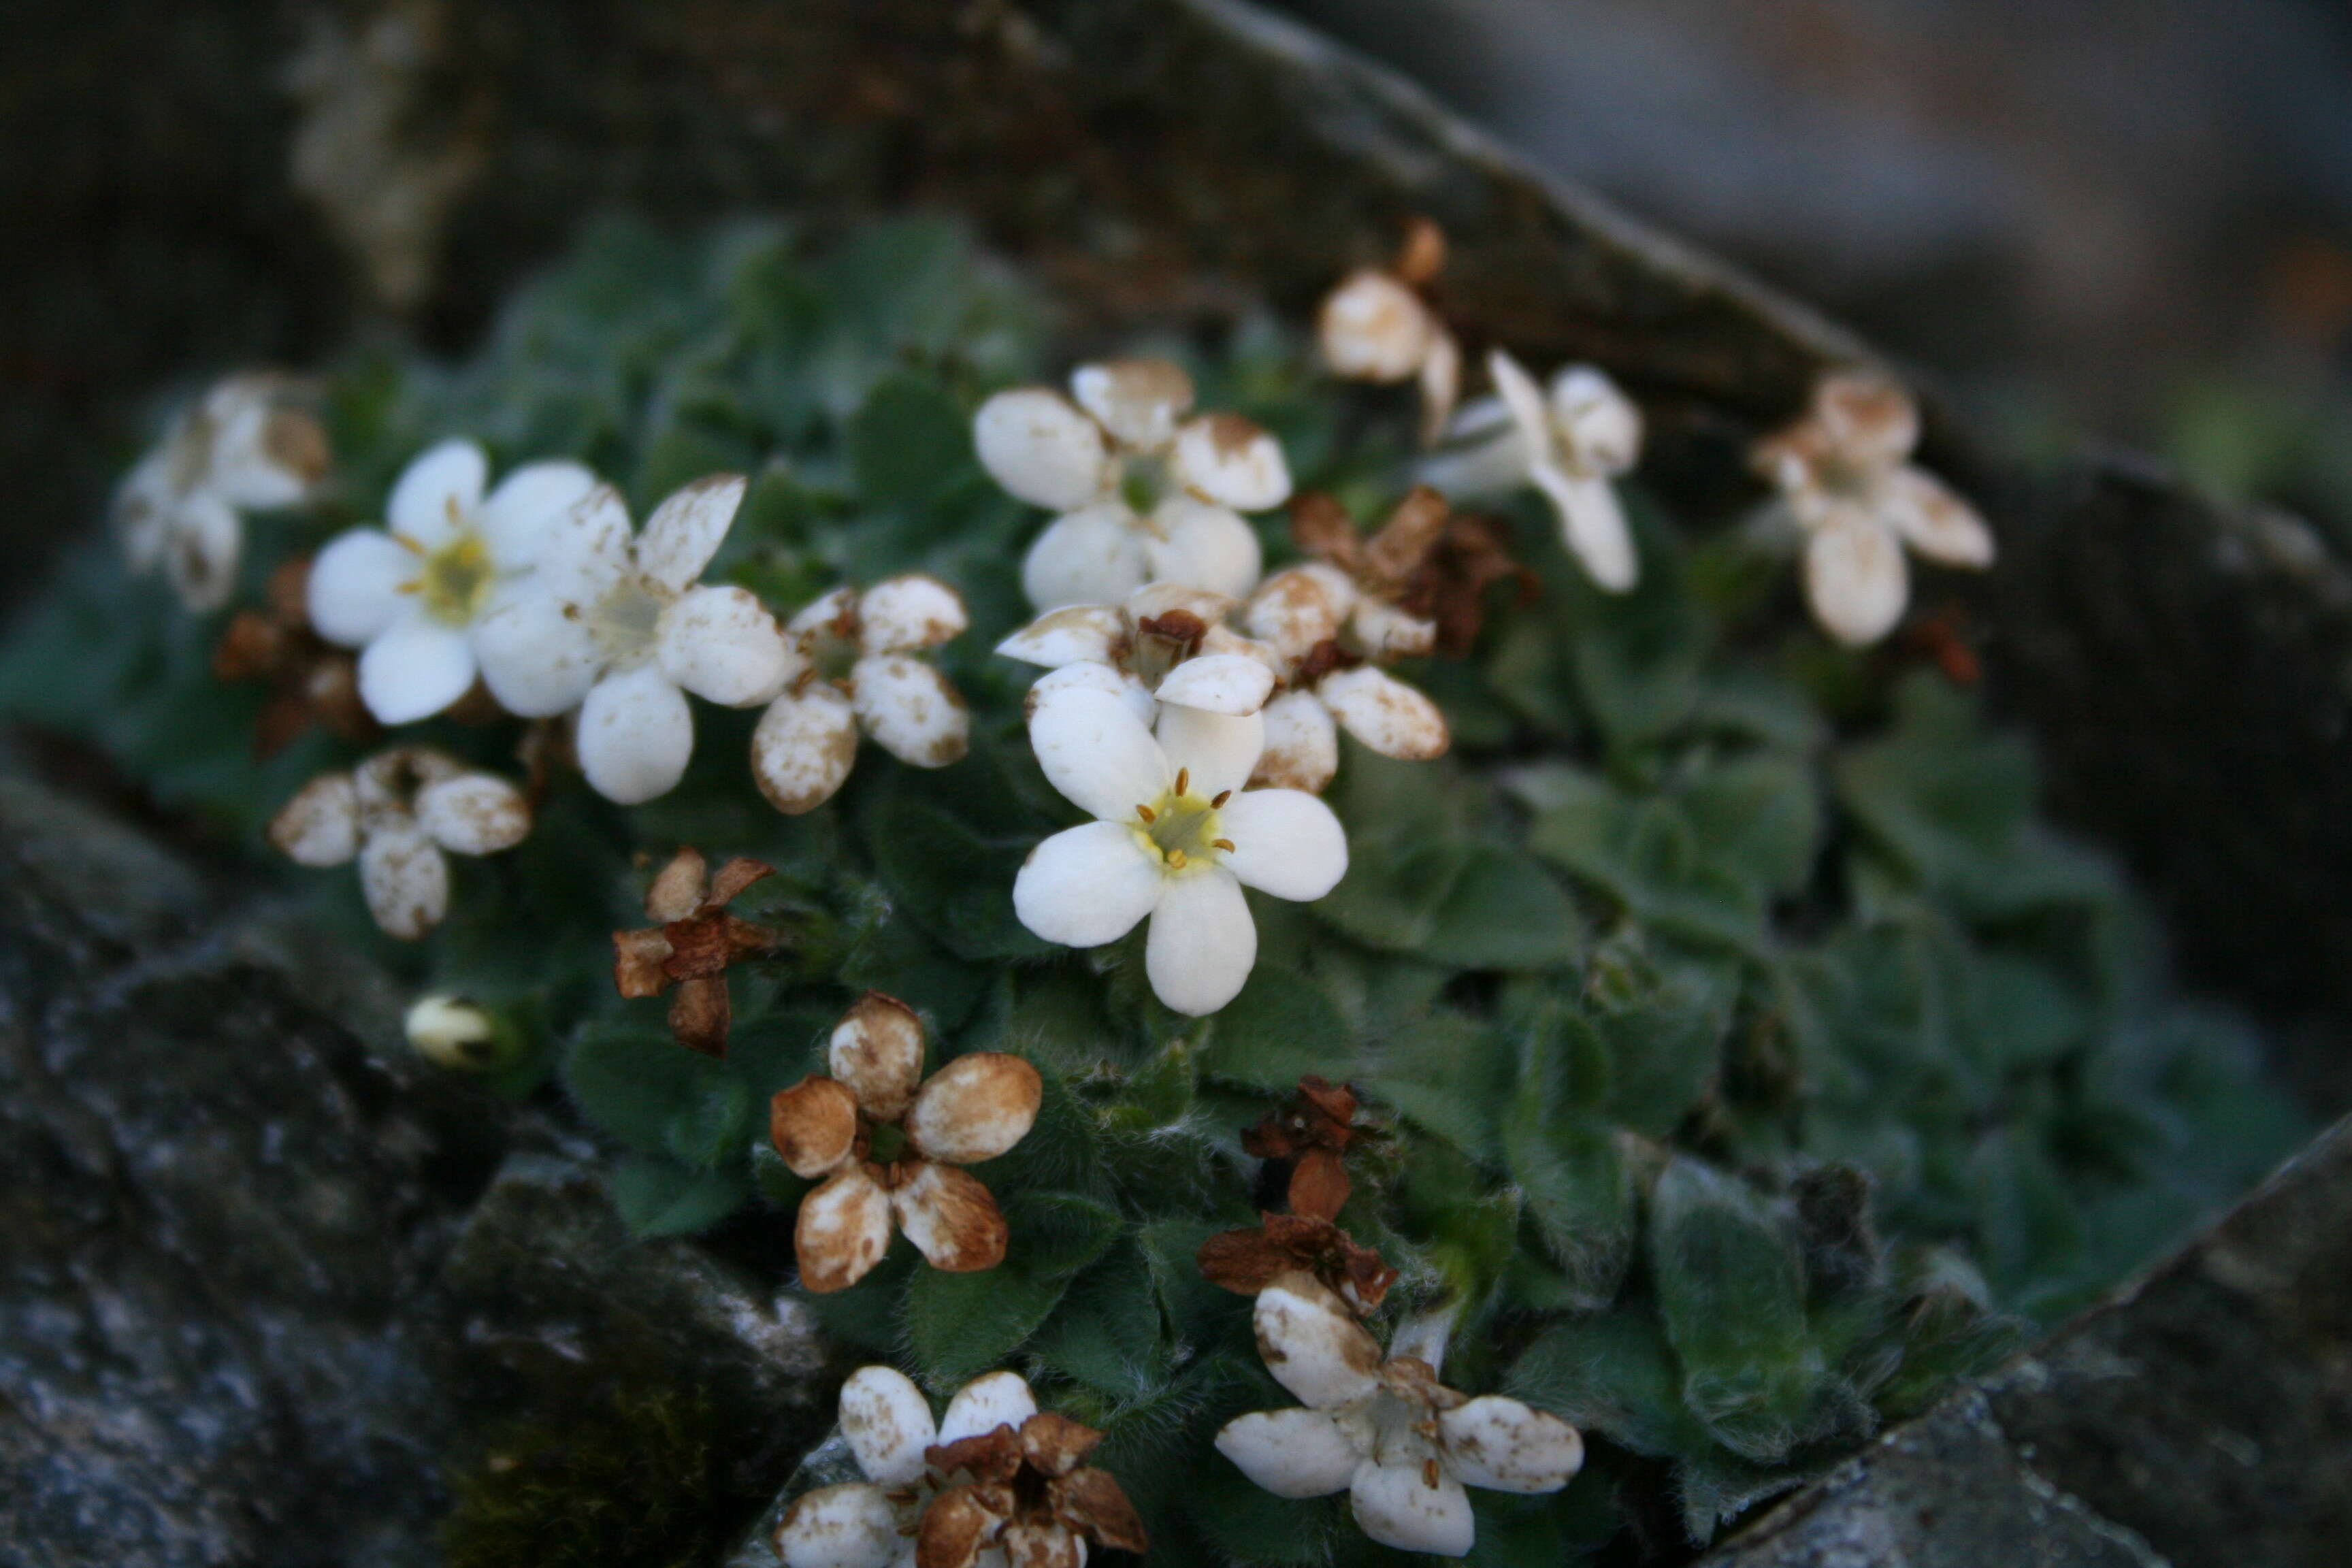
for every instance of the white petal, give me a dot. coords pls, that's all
(525, 505)
(1299, 607)
(247, 466)
(1225, 639)
(143, 509)
(406, 879)
(1855, 578)
(1599, 425)
(354, 588)
(1934, 521)
(1229, 683)
(585, 549)
(1313, 1345)
(200, 550)
(1502, 1445)
(1593, 525)
(1204, 546)
(1093, 750)
(1203, 942)
(1225, 459)
(1290, 1453)
(900, 615)
(634, 736)
(999, 1399)
(1138, 401)
(320, 826)
(1302, 745)
(1440, 385)
(1074, 633)
(1870, 420)
(805, 744)
(1218, 749)
(438, 492)
(1524, 401)
(1286, 842)
(1042, 449)
(831, 615)
(913, 711)
(1154, 600)
(1384, 713)
(473, 813)
(1129, 688)
(1396, 1505)
(1385, 632)
(537, 660)
(853, 1525)
(413, 670)
(889, 1424)
(1087, 885)
(722, 645)
(1373, 328)
(685, 531)
(1090, 557)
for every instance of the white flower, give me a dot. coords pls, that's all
(1569, 444)
(620, 625)
(1845, 473)
(1327, 624)
(1127, 433)
(412, 593)
(396, 814)
(1167, 643)
(1402, 1444)
(806, 742)
(1176, 839)
(1375, 326)
(242, 446)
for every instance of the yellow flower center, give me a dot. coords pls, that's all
(1181, 827)
(624, 621)
(455, 578)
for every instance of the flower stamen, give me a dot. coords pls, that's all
(1146, 812)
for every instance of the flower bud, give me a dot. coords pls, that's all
(451, 1032)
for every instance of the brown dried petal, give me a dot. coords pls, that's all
(699, 1013)
(744, 938)
(957, 1525)
(1422, 257)
(950, 1217)
(975, 1108)
(1335, 1104)
(1049, 1544)
(638, 960)
(841, 1232)
(677, 891)
(877, 1050)
(995, 1455)
(1321, 527)
(733, 878)
(1092, 1502)
(813, 1125)
(1405, 539)
(1318, 1185)
(1055, 1445)
(698, 947)
(254, 647)
(1245, 1261)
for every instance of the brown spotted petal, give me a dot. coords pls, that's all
(995, 1455)
(950, 1217)
(1313, 1345)
(1404, 542)
(1047, 1544)
(843, 1230)
(956, 1527)
(638, 957)
(975, 1108)
(1054, 1445)
(734, 876)
(877, 1050)
(677, 891)
(813, 1125)
(1092, 1502)
(1321, 527)
(699, 1013)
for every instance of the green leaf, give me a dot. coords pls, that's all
(635, 1083)
(1446, 1072)
(1474, 906)
(1280, 1028)
(1664, 1047)
(1757, 817)
(954, 880)
(1644, 852)
(1106, 1333)
(960, 1325)
(1612, 1373)
(1580, 1192)
(908, 440)
(660, 1197)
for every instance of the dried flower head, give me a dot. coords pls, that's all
(1379, 326)
(1382, 1427)
(1167, 643)
(692, 947)
(1147, 491)
(887, 1144)
(996, 1480)
(1310, 1134)
(857, 670)
(247, 444)
(311, 682)
(1451, 587)
(1845, 473)
(396, 814)
(621, 627)
(1249, 1261)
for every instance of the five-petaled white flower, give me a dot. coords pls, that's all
(1146, 495)
(412, 593)
(242, 446)
(620, 625)
(806, 742)
(1176, 839)
(1570, 443)
(1168, 643)
(1400, 1443)
(1328, 623)
(396, 813)
(1377, 326)
(888, 1144)
(995, 1483)
(1845, 473)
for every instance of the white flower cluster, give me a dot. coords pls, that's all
(246, 446)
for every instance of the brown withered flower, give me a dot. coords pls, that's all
(889, 1143)
(1028, 1492)
(1247, 1261)
(1450, 586)
(692, 947)
(1379, 325)
(311, 681)
(1312, 1132)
